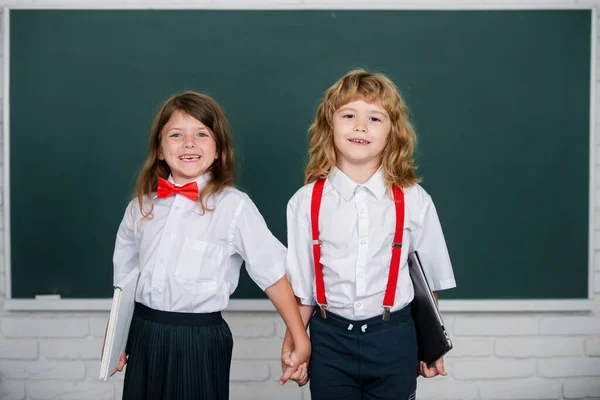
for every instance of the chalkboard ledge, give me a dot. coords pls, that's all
(556, 305)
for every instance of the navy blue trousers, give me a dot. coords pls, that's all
(363, 360)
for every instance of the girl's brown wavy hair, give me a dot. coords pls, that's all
(206, 110)
(375, 88)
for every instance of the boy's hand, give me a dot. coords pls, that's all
(436, 369)
(121, 365)
(290, 371)
(292, 361)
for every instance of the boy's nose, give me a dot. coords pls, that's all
(360, 128)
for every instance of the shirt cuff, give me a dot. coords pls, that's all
(445, 284)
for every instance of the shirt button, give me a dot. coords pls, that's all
(363, 241)
(155, 288)
(358, 304)
(361, 274)
(162, 260)
(177, 208)
(362, 211)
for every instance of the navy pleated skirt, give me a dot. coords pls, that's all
(177, 356)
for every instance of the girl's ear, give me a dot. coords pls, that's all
(161, 156)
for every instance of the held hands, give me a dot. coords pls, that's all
(294, 363)
(288, 362)
(437, 368)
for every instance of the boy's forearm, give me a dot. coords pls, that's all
(282, 297)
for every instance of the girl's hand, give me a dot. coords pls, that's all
(301, 375)
(121, 365)
(436, 369)
(292, 370)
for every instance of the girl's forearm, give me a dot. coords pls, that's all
(282, 297)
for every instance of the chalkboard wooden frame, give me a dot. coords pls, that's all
(448, 305)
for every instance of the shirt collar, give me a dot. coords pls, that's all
(347, 187)
(201, 180)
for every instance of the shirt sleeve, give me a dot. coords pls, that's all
(429, 241)
(299, 260)
(126, 254)
(263, 253)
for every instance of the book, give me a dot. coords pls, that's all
(432, 338)
(119, 321)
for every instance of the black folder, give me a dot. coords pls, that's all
(432, 338)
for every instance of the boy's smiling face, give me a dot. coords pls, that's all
(187, 146)
(360, 132)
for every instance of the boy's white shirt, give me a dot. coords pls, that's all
(357, 224)
(191, 262)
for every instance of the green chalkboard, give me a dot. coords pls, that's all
(500, 100)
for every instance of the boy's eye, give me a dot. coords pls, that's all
(375, 119)
(348, 116)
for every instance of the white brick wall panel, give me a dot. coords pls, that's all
(45, 327)
(432, 388)
(521, 389)
(267, 390)
(249, 371)
(579, 388)
(42, 369)
(98, 326)
(490, 368)
(525, 347)
(23, 349)
(259, 349)
(247, 326)
(471, 347)
(51, 390)
(65, 349)
(570, 325)
(11, 390)
(495, 326)
(568, 367)
(592, 347)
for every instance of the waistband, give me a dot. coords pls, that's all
(373, 324)
(177, 318)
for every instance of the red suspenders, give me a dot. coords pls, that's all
(390, 291)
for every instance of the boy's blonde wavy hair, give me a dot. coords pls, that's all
(375, 88)
(206, 110)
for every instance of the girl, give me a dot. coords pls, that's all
(189, 230)
(350, 230)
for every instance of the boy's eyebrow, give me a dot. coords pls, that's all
(384, 113)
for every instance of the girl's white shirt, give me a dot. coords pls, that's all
(357, 225)
(189, 261)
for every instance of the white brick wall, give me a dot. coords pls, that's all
(53, 355)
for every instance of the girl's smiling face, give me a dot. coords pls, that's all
(187, 146)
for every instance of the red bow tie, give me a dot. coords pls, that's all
(166, 189)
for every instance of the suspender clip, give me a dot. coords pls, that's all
(398, 245)
(386, 313)
(316, 242)
(322, 308)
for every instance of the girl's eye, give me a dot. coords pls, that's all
(202, 134)
(175, 134)
(348, 116)
(375, 119)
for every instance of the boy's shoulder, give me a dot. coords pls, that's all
(415, 193)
